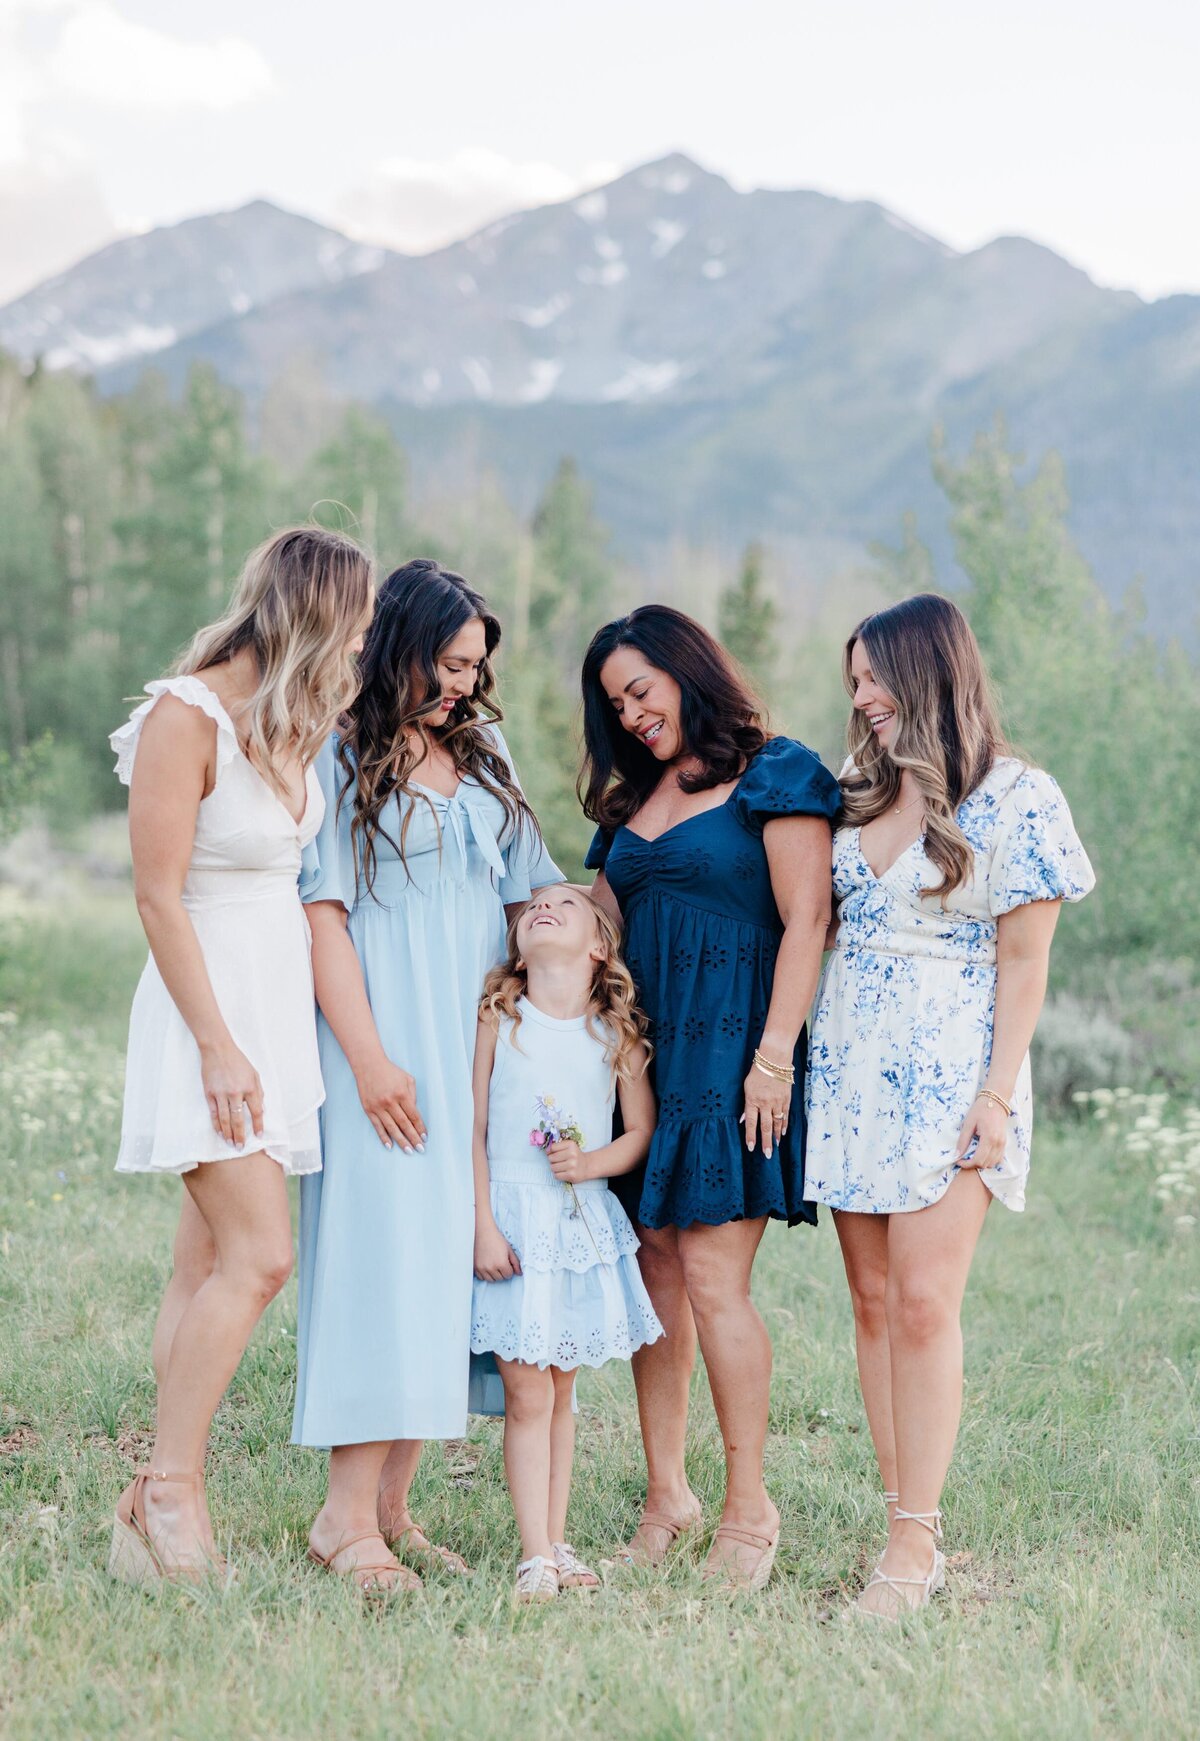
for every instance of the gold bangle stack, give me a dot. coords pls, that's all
(990, 1094)
(780, 1072)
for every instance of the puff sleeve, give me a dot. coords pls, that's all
(527, 861)
(1036, 853)
(598, 851)
(327, 862)
(785, 779)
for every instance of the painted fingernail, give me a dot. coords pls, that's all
(408, 1148)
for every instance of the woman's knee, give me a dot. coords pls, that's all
(868, 1298)
(261, 1272)
(918, 1311)
(713, 1286)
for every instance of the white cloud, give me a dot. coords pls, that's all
(416, 206)
(51, 213)
(114, 61)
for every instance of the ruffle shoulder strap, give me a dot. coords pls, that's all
(124, 741)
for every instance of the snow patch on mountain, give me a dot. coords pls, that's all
(613, 272)
(543, 375)
(478, 374)
(667, 232)
(645, 380)
(91, 351)
(546, 312)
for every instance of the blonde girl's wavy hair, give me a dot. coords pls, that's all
(300, 601)
(947, 734)
(613, 1016)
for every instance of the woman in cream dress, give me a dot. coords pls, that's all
(223, 1080)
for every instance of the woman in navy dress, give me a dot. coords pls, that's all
(713, 847)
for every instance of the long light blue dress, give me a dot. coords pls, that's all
(387, 1239)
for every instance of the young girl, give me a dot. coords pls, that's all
(558, 1286)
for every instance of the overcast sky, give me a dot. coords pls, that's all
(1075, 122)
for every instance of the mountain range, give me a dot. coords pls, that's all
(722, 364)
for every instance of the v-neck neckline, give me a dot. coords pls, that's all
(881, 876)
(297, 822)
(711, 810)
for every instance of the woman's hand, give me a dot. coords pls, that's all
(768, 1108)
(495, 1259)
(389, 1099)
(988, 1123)
(568, 1162)
(232, 1088)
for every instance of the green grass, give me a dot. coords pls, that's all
(1073, 1507)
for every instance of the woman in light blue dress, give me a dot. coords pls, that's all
(426, 840)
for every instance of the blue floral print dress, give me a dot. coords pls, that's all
(902, 1037)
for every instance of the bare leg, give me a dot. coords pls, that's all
(350, 1511)
(737, 1357)
(243, 1202)
(528, 1410)
(194, 1259)
(864, 1242)
(562, 1452)
(396, 1522)
(662, 1372)
(929, 1259)
(395, 1484)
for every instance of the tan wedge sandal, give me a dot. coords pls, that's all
(637, 1554)
(133, 1557)
(368, 1574)
(749, 1579)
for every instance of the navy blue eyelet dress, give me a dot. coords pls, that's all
(701, 936)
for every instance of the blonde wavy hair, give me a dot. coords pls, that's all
(299, 602)
(947, 733)
(613, 1016)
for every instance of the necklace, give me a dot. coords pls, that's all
(898, 810)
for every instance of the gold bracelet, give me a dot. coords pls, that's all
(990, 1094)
(781, 1072)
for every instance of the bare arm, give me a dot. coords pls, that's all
(572, 1164)
(172, 774)
(387, 1092)
(800, 858)
(1023, 939)
(602, 893)
(495, 1259)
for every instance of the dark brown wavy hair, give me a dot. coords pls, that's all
(722, 721)
(420, 609)
(923, 652)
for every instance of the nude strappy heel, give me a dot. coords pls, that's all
(368, 1575)
(133, 1557)
(729, 1572)
(933, 1580)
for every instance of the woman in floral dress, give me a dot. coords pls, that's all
(950, 866)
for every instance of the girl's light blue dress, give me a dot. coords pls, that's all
(387, 1239)
(580, 1299)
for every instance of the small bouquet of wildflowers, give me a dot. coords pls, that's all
(555, 1126)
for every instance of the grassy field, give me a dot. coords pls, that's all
(1073, 1507)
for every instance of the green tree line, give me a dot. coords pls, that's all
(126, 519)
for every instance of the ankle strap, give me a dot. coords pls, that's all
(161, 1475)
(930, 1520)
(891, 1499)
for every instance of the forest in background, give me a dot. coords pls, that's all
(126, 520)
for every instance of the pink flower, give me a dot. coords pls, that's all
(538, 1138)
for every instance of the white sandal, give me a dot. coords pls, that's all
(933, 1580)
(537, 1581)
(573, 1574)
